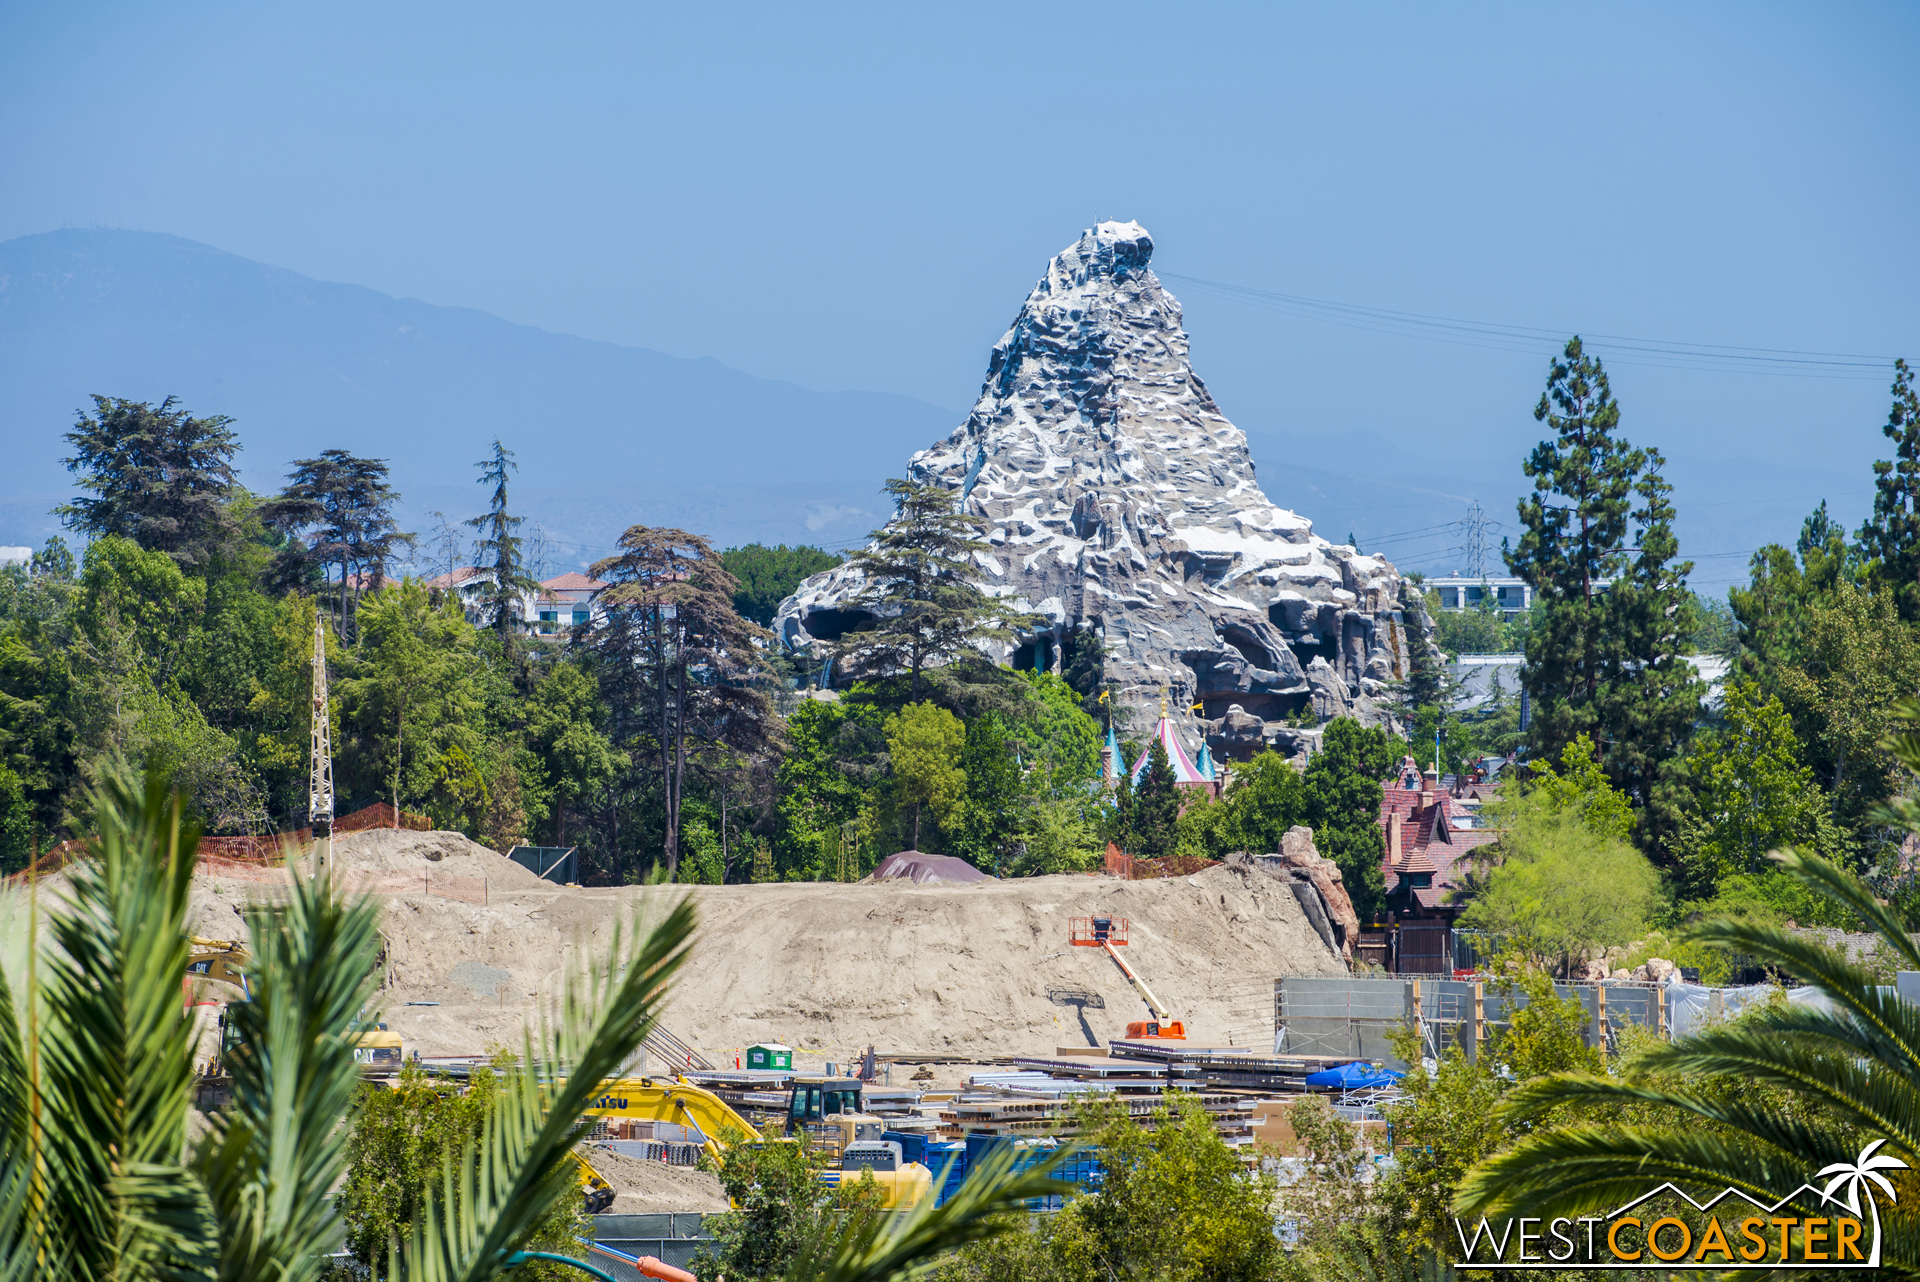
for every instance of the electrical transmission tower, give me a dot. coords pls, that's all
(1474, 525)
(320, 785)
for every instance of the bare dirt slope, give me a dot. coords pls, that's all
(979, 970)
(642, 1187)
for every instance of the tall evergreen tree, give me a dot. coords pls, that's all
(1770, 613)
(348, 504)
(158, 476)
(499, 549)
(1604, 653)
(1891, 536)
(988, 821)
(1344, 787)
(927, 608)
(671, 623)
(1156, 806)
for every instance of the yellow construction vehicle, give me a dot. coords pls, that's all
(593, 1186)
(217, 959)
(1109, 933)
(823, 1108)
(903, 1183)
(225, 961)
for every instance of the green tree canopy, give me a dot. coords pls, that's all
(158, 476)
(1605, 656)
(768, 575)
(1344, 786)
(1559, 890)
(988, 822)
(925, 742)
(411, 698)
(1750, 794)
(1855, 661)
(348, 504)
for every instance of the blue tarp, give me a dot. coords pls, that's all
(1357, 1076)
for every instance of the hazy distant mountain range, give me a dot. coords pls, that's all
(610, 435)
(606, 435)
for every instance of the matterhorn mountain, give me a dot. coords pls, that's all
(1118, 498)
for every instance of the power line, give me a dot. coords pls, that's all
(1496, 336)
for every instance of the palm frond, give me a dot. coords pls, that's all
(116, 1051)
(1580, 1168)
(495, 1197)
(876, 1246)
(1788, 951)
(1759, 1055)
(271, 1158)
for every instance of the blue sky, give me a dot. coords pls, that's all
(853, 197)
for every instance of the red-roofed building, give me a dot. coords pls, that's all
(560, 603)
(1426, 860)
(566, 601)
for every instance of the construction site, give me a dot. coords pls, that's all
(905, 1026)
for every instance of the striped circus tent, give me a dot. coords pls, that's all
(1184, 771)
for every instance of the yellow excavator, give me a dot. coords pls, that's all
(224, 961)
(817, 1104)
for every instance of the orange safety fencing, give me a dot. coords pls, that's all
(381, 815)
(251, 858)
(268, 849)
(51, 862)
(1130, 868)
(1171, 866)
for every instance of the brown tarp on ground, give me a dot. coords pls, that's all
(912, 865)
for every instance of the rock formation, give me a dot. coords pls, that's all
(1118, 498)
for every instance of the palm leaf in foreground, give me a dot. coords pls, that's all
(270, 1160)
(1855, 1069)
(98, 1095)
(494, 1198)
(875, 1246)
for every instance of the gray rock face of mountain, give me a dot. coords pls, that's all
(1118, 498)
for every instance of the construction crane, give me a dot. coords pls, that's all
(1110, 933)
(320, 784)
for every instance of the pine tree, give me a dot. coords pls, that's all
(1614, 614)
(1891, 536)
(349, 501)
(1344, 787)
(679, 657)
(499, 547)
(918, 569)
(159, 476)
(1156, 806)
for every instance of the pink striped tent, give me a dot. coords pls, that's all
(1184, 771)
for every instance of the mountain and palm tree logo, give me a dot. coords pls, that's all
(1862, 1172)
(1712, 1238)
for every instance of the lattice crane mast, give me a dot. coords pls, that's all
(320, 784)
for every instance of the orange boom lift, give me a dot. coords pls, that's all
(1111, 933)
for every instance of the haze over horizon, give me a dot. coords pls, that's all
(857, 200)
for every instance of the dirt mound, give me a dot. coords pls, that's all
(986, 969)
(976, 971)
(398, 850)
(642, 1187)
